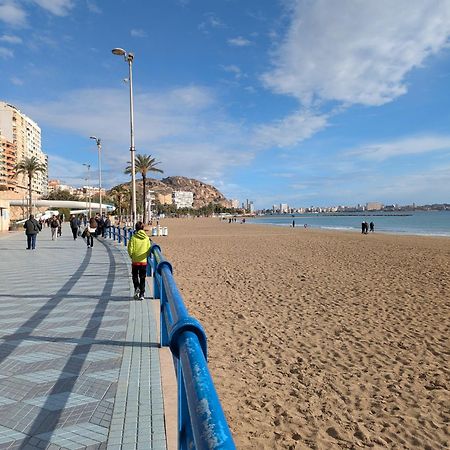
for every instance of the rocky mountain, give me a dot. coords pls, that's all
(204, 194)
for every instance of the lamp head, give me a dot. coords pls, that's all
(119, 51)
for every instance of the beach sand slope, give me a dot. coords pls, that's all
(320, 339)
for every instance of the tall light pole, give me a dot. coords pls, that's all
(88, 191)
(129, 57)
(99, 146)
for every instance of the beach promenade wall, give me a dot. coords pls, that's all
(201, 420)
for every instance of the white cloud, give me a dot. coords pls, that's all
(12, 14)
(16, 81)
(357, 51)
(211, 21)
(138, 33)
(56, 7)
(66, 170)
(183, 128)
(289, 131)
(430, 186)
(10, 39)
(415, 145)
(93, 7)
(6, 53)
(239, 42)
(235, 70)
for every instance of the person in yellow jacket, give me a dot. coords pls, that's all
(138, 249)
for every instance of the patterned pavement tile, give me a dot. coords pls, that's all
(34, 357)
(44, 376)
(83, 434)
(8, 435)
(69, 329)
(97, 355)
(6, 401)
(59, 401)
(108, 375)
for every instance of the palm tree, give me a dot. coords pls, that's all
(144, 164)
(120, 194)
(30, 167)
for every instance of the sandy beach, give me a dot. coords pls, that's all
(320, 339)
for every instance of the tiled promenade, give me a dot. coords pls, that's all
(79, 364)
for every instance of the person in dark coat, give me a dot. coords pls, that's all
(74, 223)
(372, 227)
(32, 228)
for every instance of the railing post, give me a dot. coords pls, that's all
(119, 239)
(125, 236)
(109, 232)
(114, 233)
(185, 437)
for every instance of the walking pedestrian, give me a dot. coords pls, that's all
(139, 248)
(74, 226)
(372, 227)
(32, 228)
(107, 227)
(54, 225)
(90, 231)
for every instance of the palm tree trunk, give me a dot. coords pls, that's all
(144, 179)
(29, 195)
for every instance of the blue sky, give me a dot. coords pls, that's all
(303, 102)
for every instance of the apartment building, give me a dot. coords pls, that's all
(235, 204)
(8, 158)
(25, 135)
(183, 199)
(374, 206)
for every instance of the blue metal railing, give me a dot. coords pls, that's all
(201, 421)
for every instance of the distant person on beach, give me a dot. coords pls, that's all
(293, 224)
(364, 227)
(372, 227)
(32, 228)
(139, 248)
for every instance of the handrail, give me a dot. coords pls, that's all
(201, 421)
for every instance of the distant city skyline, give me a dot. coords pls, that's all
(309, 103)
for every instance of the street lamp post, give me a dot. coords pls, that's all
(99, 147)
(88, 191)
(129, 57)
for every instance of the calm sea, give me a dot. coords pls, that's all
(425, 223)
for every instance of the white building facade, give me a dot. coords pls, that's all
(183, 199)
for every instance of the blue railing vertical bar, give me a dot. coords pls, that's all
(201, 421)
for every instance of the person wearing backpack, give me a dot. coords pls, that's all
(139, 248)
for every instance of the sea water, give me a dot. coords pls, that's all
(424, 223)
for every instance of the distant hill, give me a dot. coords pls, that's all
(204, 194)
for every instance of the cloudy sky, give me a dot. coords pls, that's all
(303, 102)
